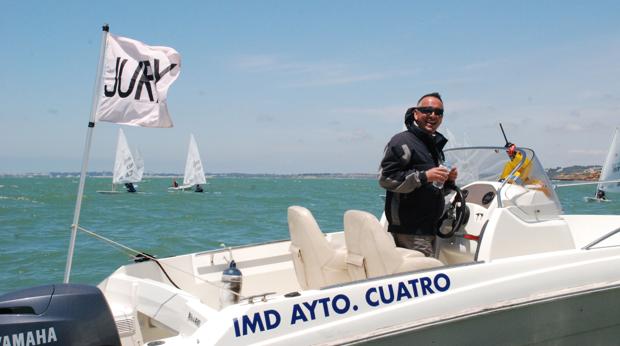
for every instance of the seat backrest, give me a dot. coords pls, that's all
(365, 237)
(311, 251)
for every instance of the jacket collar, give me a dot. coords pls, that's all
(438, 140)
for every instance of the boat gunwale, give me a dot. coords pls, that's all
(475, 312)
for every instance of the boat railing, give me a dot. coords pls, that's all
(601, 239)
(262, 297)
(222, 250)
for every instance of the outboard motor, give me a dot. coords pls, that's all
(62, 314)
(231, 281)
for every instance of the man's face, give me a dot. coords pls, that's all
(426, 114)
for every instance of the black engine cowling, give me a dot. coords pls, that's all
(63, 314)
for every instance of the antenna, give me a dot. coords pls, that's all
(503, 133)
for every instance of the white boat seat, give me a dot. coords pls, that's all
(371, 251)
(317, 263)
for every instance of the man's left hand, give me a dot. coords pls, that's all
(453, 174)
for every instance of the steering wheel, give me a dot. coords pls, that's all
(455, 216)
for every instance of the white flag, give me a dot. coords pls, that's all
(136, 78)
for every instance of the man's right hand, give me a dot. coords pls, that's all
(439, 174)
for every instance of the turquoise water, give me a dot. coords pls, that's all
(36, 214)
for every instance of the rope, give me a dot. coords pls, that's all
(130, 252)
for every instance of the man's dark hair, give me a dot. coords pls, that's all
(434, 94)
(409, 112)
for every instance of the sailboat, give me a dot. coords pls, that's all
(194, 173)
(128, 167)
(610, 171)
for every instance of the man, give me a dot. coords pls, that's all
(523, 174)
(130, 187)
(410, 165)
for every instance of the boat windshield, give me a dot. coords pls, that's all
(520, 181)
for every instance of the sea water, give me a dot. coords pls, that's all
(36, 215)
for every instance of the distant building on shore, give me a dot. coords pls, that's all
(588, 173)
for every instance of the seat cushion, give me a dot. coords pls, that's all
(321, 264)
(367, 239)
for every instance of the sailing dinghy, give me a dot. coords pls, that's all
(610, 171)
(194, 173)
(128, 167)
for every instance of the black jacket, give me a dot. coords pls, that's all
(412, 205)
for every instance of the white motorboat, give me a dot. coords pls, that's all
(194, 173)
(516, 270)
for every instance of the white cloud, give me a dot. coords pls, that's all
(598, 152)
(565, 127)
(384, 112)
(463, 105)
(354, 136)
(265, 118)
(481, 65)
(256, 62)
(340, 79)
(312, 74)
(265, 62)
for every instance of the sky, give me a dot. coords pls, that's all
(317, 86)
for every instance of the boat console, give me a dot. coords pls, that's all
(517, 200)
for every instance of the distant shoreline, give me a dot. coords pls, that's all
(108, 175)
(584, 173)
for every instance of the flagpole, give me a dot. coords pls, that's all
(89, 137)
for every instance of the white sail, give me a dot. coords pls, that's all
(139, 161)
(194, 173)
(125, 169)
(611, 167)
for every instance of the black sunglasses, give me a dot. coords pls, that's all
(429, 110)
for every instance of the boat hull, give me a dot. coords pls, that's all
(577, 319)
(566, 301)
(181, 188)
(596, 200)
(109, 192)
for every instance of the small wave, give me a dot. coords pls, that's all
(20, 198)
